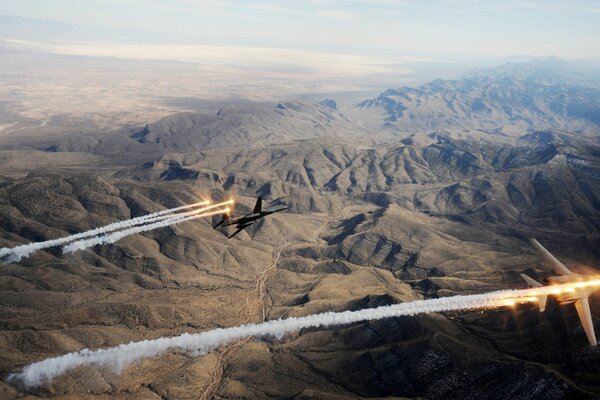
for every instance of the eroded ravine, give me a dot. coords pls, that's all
(258, 307)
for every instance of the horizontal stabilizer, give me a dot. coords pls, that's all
(530, 281)
(541, 299)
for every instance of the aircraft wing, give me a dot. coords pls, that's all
(239, 229)
(276, 209)
(557, 266)
(583, 310)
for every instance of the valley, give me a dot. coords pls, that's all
(388, 204)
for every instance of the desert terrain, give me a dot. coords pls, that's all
(417, 192)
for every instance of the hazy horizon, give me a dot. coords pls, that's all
(149, 59)
(431, 29)
(363, 44)
(413, 148)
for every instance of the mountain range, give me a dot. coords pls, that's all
(509, 100)
(419, 193)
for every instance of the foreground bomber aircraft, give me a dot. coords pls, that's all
(579, 296)
(246, 220)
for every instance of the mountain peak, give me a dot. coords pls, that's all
(329, 103)
(511, 99)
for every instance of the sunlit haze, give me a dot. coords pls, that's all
(430, 28)
(307, 199)
(266, 51)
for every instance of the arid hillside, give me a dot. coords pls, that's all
(377, 216)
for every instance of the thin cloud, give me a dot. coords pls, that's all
(382, 2)
(337, 14)
(276, 9)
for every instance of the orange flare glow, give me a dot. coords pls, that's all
(528, 298)
(224, 203)
(561, 288)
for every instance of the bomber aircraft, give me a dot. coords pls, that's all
(246, 220)
(578, 295)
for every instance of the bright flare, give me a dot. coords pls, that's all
(115, 236)
(201, 343)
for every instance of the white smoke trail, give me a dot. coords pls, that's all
(201, 343)
(115, 236)
(15, 254)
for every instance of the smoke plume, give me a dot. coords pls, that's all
(118, 235)
(201, 343)
(15, 254)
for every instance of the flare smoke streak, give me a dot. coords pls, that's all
(15, 254)
(115, 236)
(201, 343)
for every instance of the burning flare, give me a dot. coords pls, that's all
(15, 254)
(115, 236)
(121, 356)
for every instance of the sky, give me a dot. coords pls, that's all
(432, 29)
(266, 49)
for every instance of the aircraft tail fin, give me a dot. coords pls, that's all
(541, 299)
(258, 205)
(222, 221)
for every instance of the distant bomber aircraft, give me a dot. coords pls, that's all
(577, 295)
(246, 220)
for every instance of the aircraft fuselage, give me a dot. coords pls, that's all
(249, 218)
(577, 291)
(245, 221)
